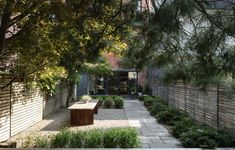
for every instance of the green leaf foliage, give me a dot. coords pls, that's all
(98, 138)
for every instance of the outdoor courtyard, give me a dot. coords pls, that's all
(117, 74)
(134, 114)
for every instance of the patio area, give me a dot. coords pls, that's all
(134, 114)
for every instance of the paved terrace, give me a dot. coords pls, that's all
(134, 114)
(152, 134)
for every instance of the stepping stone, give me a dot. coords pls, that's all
(171, 141)
(167, 138)
(145, 145)
(156, 145)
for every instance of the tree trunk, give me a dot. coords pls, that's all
(4, 24)
(70, 96)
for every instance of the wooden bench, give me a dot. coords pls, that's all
(83, 113)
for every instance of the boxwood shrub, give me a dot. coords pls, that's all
(118, 102)
(141, 98)
(157, 107)
(148, 101)
(170, 115)
(226, 138)
(101, 100)
(199, 137)
(182, 126)
(108, 102)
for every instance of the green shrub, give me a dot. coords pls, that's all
(118, 102)
(115, 96)
(121, 138)
(128, 138)
(148, 101)
(101, 100)
(157, 107)
(94, 97)
(111, 138)
(141, 98)
(108, 102)
(42, 142)
(202, 137)
(62, 139)
(169, 116)
(225, 139)
(108, 97)
(100, 138)
(94, 139)
(183, 126)
(29, 142)
(77, 139)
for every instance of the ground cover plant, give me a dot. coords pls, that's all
(98, 138)
(191, 133)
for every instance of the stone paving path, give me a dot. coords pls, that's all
(152, 134)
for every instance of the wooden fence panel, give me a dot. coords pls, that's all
(207, 107)
(171, 95)
(226, 109)
(180, 96)
(26, 107)
(212, 107)
(5, 108)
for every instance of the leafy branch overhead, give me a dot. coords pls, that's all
(190, 40)
(37, 36)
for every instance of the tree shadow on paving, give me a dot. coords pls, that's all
(61, 119)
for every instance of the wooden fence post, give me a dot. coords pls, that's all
(10, 107)
(185, 92)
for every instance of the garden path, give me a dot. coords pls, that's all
(152, 133)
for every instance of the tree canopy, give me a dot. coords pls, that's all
(191, 40)
(47, 41)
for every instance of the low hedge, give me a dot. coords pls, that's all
(170, 116)
(110, 101)
(100, 138)
(118, 102)
(182, 126)
(148, 101)
(199, 137)
(141, 98)
(190, 133)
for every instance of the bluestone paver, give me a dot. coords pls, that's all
(152, 133)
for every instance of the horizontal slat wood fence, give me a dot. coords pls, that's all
(214, 106)
(5, 108)
(21, 107)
